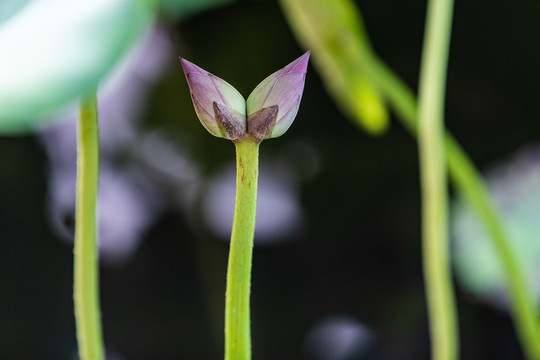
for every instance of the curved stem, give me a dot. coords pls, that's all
(86, 287)
(462, 170)
(522, 303)
(466, 177)
(437, 272)
(237, 318)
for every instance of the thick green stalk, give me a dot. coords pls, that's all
(237, 319)
(437, 271)
(86, 284)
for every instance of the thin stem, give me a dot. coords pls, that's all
(437, 272)
(302, 15)
(466, 177)
(86, 287)
(237, 318)
(523, 306)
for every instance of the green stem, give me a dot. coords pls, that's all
(304, 16)
(522, 303)
(86, 287)
(466, 177)
(437, 272)
(237, 320)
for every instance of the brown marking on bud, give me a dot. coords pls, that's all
(229, 122)
(262, 122)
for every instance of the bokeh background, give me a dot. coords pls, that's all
(337, 262)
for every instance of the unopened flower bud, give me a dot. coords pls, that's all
(271, 107)
(219, 106)
(282, 89)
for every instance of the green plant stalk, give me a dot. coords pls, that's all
(462, 171)
(466, 177)
(237, 313)
(522, 303)
(437, 270)
(86, 284)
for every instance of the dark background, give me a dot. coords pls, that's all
(358, 251)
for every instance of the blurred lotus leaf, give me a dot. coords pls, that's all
(335, 33)
(9, 7)
(515, 187)
(55, 50)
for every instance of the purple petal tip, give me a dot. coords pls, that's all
(190, 67)
(303, 61)
(298, 65)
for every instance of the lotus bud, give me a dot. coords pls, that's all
(219, 106)
(274, 103)
(271, 107)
